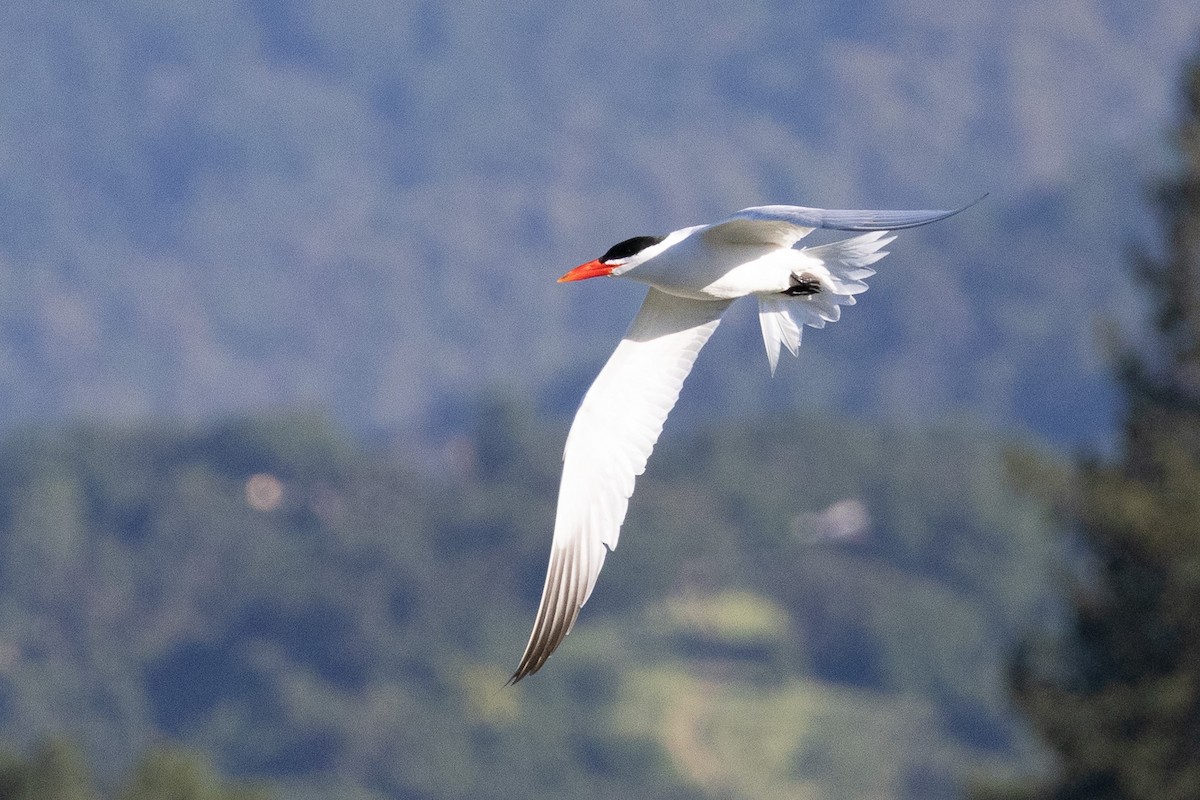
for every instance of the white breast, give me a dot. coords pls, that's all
(694, 268)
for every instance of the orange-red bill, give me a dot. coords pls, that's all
(592, 269)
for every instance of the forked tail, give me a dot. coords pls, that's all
(829, 276)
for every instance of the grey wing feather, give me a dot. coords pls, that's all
(847, 219)
(785, 225)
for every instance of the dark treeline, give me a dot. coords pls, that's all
(1115, 694)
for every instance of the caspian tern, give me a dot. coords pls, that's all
(694, 275)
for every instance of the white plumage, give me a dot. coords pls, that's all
(694, 275)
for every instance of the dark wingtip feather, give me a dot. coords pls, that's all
(556, 613)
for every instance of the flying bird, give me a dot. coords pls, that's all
(694, 274)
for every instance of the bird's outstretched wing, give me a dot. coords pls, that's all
(610, 440)
(786, 225)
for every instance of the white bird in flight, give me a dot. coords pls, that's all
(694, 274)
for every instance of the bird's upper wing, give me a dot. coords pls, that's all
(786, 225)
(610, 440)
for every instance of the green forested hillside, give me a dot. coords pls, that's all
(819, 608)
(358, 207)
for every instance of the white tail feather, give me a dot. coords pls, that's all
(778, 327)
(840, 267)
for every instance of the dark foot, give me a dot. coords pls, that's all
(803, 286)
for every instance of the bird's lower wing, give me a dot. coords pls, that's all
(610, 440)
(786, 225)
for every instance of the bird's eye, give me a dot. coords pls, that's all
(629, 248)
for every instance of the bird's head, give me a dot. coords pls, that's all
(627, 254)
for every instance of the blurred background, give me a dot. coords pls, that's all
(285, 377)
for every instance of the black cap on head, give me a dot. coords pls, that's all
(628, 248)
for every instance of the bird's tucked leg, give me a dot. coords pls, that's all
(803, 285)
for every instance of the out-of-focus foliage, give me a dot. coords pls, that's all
(55, 770)
(1116, 692)
(798, 605)
(176, 774)
(360, 206)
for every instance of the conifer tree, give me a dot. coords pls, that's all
(1116, 694)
